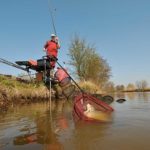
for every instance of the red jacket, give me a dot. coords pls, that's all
(51, 48)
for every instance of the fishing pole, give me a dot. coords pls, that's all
(4, 61)
(54, 28)
(52, 18)
(13, 65)
(53, 23)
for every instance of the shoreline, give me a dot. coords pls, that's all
(147, 90)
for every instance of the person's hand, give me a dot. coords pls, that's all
(44, 49)
(56, 39)
(54, 58)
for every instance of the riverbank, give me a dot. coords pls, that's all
(14, 91)
(17, 92)
(137, 90)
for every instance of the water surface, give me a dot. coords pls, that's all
(34, 127)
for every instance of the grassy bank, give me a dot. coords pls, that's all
(13, 91)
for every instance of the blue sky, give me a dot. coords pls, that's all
(119, 29)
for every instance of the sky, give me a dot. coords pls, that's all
(119, 29)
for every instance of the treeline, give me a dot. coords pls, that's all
(138, 86)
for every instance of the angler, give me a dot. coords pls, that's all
(51, 48)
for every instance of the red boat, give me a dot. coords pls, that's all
(99, 109)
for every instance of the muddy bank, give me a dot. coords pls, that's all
(21, 96)
(15, 92)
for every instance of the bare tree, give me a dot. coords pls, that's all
(144, 84)
(89, 66)
(141, 85)
(109, 87)
(120, 88)
(130, 87)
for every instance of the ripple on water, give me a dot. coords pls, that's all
(34, 127)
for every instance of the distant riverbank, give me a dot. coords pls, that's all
(17, 92)
(137, 90)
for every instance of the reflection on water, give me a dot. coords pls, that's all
(120, 95)
(35, 127)
(88, 135)
(48, 125)
(143, 95)
(131, 95)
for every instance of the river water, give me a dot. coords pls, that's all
(31, 127)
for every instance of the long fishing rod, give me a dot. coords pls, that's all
(4, 61)
(53, 23)
(13, 65)
(52, 18)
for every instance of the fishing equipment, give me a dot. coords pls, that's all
(4, 61)
(13, 65)
(52, 18)
(80, 107)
